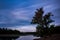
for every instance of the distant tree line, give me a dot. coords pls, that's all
(8, 31)
(28, 33)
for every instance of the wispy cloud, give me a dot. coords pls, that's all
(20, 12)
(50, 8)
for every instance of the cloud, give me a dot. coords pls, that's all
(8, 19)
(27, 28)
(11, 14)
(50, 8)
(20, 12)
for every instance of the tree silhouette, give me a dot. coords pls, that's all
(37, 19)
(43, 22)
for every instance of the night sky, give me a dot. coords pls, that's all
(17, 14)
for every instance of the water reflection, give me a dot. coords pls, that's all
(18, 37)
(8, 37)
(27, 37)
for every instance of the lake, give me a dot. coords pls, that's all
(17, 37)
(27, 37)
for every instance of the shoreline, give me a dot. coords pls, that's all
(52, 37)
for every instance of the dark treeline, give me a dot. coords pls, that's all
(48, 32)
(9, 34)
(54, 30)
(8, 31)
(28, 33)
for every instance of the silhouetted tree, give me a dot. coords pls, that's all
(43, 21)
(51, 29)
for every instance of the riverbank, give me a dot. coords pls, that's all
(6, 35)
(52, 37)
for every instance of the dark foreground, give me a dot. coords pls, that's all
(8, 37)
(52, 37)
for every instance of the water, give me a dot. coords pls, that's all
(16, 37)
(27, 37)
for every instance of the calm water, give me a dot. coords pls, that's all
(28, 37)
